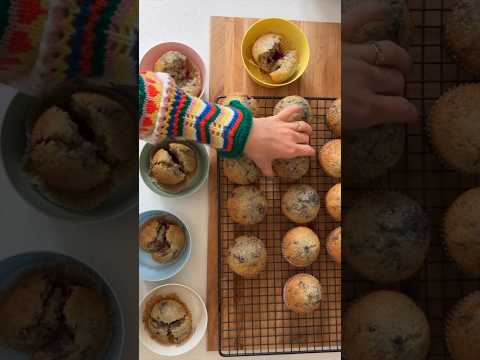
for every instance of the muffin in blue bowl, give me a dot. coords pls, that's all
(164, 245)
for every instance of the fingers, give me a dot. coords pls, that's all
(300, 126)
(360, 15)
(265, 167)
(387, 81)
(286, 113)
(399, 110)
(301, 138)
(303, 150)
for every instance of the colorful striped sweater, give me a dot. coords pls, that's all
(167, 112)
(56, 40)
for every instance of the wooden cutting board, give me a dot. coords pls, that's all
(228, 76)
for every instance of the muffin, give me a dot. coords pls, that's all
(164, 241)
(387, 236)
(300, 246)
(333, 202)
(302, 293)
(246, 100)
(305, 115)
(247, 205)
(334, 118)
(461, 231)
(370, 153)
(455, 129)
(385, 325)
(330, 158)
(334, 245)
(301, 204)
(168, 320)
(247, 257)
(285, 67)
(463, 327)
(291, 169)
(241, 170)
(463, 32)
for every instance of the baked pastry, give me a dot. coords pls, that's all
(302, 293)
(461, 231)
(286, 67)
(334, 118)
(463, 32)
(300, 246)
(333, 202)
(387, 236)
(301, 204)
(291, 169)
(246, 100)
(164, 241)
(455, 129)
(168, 320)
(241, 170)
(334, 245)
(304, 115)
(247, 257)
(330, 158)
(370, 153)
(247, 205)
(385, 325)
(463, 327)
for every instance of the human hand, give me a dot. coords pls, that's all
(373, 74)
(276, 137)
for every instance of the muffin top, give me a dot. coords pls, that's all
(266, 51)
(246, 100)
(304, 115)
(241, 170)
(330, 158)
(301, 246)
(291, 169)
(302, 293)
(301, 203)
(334, 118)
(334, 244)
(333, 201)
(247, 205)
(247, 257)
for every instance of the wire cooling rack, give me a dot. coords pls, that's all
(253, 319)
(422, 176)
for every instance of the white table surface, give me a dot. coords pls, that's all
(188, 21)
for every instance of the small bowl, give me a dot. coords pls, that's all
(295, 38)
(150, 58)
(151, 270)
(195, 183)
(13, 267)
(199, 319)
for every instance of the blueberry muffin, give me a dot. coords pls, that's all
(291, 169)
(330, 158)
(302, 293)
(387, 236)
(333, 202)
(247, 257)
(266, 51)
(285, 67)
(385, 325)
(463, 328)
(455, 129)
(246, 100)
(334, 118)
(461, 231)
(370, 153)
(241, 170)
(164, 241)
(463, 32)
(334, 245)
(300, 246)
(301, 204)
(305, 115)
(247, 205)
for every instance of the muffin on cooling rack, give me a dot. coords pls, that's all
(247, 205)
(241, 170)
(334, 245)
(386, 236)
(463, 32)
(301, 246)
(330, 158)
(302, 293)
(455, 129)
(301, 204)
(385, 325)
(462, 231)
(463, 328)
(334, 118)
(291, 169)
(304, 115)
(333, 202)
(246, 100)
(247, 257)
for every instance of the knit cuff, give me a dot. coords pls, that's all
(242, 133)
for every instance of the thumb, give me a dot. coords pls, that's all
(288, 112)
(266, 167)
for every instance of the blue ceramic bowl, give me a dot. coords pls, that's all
(13, 267)
(151, 270)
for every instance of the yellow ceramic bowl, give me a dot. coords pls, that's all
(295, 39)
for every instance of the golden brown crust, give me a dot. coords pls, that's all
(334, 245)
(334, 118)
(247, 205)
(330, 158)
(247, 257)
(291, 169)
(302, 293)
(300, 246)
(333, 202)
(301, 203)
(241, 170)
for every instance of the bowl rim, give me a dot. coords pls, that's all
(244, 61)
(189, 289)
(153, 213)
(181, 45)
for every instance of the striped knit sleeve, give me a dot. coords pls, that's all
(167, 112)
